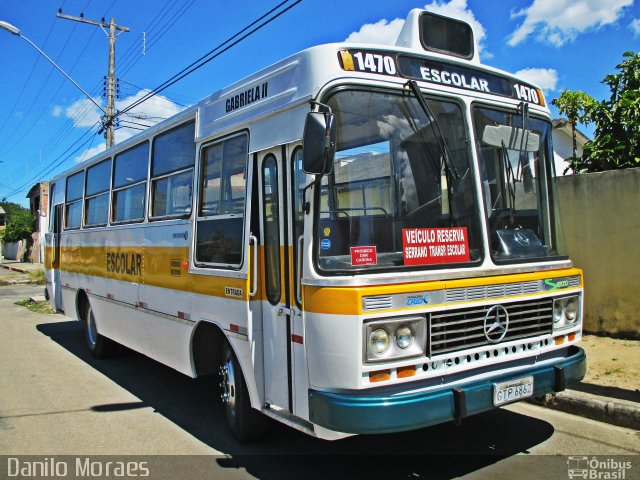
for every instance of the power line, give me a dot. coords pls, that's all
(50, 168)
(203, 60)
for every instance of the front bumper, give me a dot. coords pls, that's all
(361, 412)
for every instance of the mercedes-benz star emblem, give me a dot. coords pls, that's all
(496, 323)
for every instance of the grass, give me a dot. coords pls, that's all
(37, 277)
(38, 307)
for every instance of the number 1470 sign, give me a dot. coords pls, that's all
(374, 63)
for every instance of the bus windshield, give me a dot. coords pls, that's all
(401, 193)
(515, 158)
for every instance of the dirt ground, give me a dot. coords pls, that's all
(612, 362)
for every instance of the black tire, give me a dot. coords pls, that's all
(99, 346)
(246, 423)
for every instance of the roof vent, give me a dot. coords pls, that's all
(438, 34)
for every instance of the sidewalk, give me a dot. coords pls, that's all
(610, 392)
(22, 267)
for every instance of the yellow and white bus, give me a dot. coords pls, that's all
(357, 239)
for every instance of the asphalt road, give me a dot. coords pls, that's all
(57, 401)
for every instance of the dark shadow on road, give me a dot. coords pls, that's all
(608, 392)
(443, 451)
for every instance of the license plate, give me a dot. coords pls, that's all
(506, 392)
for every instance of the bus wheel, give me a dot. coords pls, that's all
(99, 346)
(246, 423)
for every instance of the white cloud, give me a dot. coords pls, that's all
(458, 9)
(560, 21)
(382, 32)
(83, 112)
(85, 115)
(386, 32)
(57, 111)
(90, 152)
(635, 27)
(545, 78)
(148, 113)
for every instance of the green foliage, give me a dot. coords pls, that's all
(11, 208)
(19, 223)
(577, 106)
(616, 142)
(617, 137)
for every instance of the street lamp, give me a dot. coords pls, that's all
(16, 31)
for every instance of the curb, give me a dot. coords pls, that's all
(602, 409)
(14, 269)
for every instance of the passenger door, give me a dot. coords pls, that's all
(276, 302)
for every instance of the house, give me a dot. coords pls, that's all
(3, 217)
(563, 143)
(39, 205)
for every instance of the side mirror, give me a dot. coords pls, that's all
(319, 143)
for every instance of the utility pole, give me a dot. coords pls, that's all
(110, 112)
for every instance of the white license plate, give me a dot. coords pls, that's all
(505, 392)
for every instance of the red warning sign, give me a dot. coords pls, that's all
(364, 256)
(428, 246)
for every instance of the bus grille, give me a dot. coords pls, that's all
(454, 330)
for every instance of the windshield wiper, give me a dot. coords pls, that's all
(510, 180)
(450, 170)
(446, 157)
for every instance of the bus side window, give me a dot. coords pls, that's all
(221, 203)
(172, 162)
(130, 184)
(73, 199)
(96, 203)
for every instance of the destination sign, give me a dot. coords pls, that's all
(439, 73)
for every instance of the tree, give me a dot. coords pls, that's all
(576, 106)
(19, 222)
(616, 142)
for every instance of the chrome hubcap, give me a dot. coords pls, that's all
(92, 330)
(228, 384)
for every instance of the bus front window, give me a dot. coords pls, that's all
(515, 166)
(394, 198)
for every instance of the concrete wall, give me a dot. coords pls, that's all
(600, 230)
(15, 250)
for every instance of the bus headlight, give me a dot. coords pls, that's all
(571, 309)
(391, 339)
(379, 341)
(566, 312)
(558, 309)
(404, 336)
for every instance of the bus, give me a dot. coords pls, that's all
(358, 239)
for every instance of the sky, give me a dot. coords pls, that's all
(47, 125)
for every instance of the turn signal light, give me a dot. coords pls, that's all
(406, 372)
(379, 376)
(559, 340)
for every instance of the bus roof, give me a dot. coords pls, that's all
(277, 96)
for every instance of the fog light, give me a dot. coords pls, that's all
(379, 341)
(404, 336)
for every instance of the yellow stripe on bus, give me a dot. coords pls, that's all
(348, 300)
